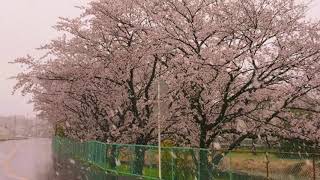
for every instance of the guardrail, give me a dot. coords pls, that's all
(12, 138)
(190, 163)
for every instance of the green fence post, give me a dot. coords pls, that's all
(199, 166)
(173, 164)
(267, 164)
(313, 167)
(107, 157)
(87, 146)
(93, 152)
(99, 154)
(230, 168)
(96, 154)
(104, 156)
(172, 177)
(97, 157)
(90, 151)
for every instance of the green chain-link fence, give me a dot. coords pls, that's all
(190, 163)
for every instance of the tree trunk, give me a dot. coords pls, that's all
(204, 165)
(203, 169)
(217, 159)
(112, 158)
(138, 163)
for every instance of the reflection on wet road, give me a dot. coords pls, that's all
(29, 159)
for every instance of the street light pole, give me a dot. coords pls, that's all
(159, 123)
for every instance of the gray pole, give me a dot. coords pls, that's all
(159, 124)
(15, 127)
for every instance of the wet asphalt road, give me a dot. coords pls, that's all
(29, 159)
(32, 159)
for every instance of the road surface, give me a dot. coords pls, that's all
(29, 159)
(32, 159)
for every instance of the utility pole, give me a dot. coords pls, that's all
(33, 131)
(15, 126)
(36, 127)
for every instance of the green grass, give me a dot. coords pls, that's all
(240, 161)
(249, 155)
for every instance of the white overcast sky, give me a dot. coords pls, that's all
(24, 26)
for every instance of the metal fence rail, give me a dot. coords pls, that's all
(190, 163)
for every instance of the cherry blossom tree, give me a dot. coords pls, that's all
(97, 81)
(240, 68)
(234, 70)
